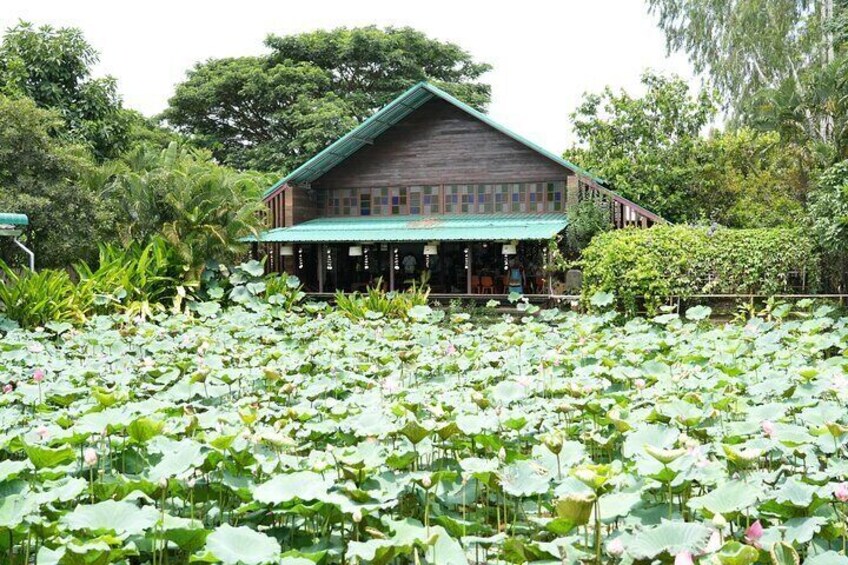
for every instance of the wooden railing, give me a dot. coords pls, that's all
(622, 212)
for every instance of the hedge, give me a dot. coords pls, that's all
(680, 261)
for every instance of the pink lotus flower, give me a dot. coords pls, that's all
(768, 428)
(754, 533)
(639, 384)
(38, 375)
(615, 547)
(90, 456)
(43, 433)
(683, 558)
(450, 349)
(841, 492)
(7, 388)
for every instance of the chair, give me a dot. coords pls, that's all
(475, 284)
(487, 285)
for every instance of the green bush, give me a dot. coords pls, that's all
(377, 303)
(35, 298)
(681, 261)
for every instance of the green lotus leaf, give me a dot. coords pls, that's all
(43, 457)
(144, 429)
(670, 537)
(784, 554)
(735, 553)
(242, 546)
(111, 516)
(576, 508)
(727, 499)
(302, 485)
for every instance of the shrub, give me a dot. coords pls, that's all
(585, 220)
(681, 261)
(36, 298)
(376, 303)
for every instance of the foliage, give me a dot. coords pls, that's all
(680, 261)
(651, 150)
(746, 45)
(53, 67)
(46, 178)
(257, 435)
(36, 298)
(248, 285)
(138, 279)
(829, 209)
(377, 303)
(585, 221)
(273, 111)
(643, 146)
(199, 207)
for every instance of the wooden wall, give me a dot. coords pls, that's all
(440, 144)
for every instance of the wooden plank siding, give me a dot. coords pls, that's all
(441, 144)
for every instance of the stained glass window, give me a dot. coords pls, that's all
(380, 201)
(536, 197)
(451, 199)
(430, 203)
(556, 195)
(517, 197)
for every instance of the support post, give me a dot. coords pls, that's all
(320, 268)
(391, 267)
(549, 273)
(470, 266)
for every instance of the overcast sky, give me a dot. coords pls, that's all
(545, 54)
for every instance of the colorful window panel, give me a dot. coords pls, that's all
(364, 202)
(484, 198)
(556, 195)
(398, 201)
(466, 198)
(451, 199)
(500, 195)
(536, 197)
(380, 202)
(415, 200)
(518, 197)
(431, 200)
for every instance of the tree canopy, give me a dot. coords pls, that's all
(274, 111)
(53, 67)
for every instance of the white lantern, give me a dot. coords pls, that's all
(355, 251)
(508, 249)
(286, 250)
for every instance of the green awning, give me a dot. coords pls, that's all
(447, 227)
(13, 220)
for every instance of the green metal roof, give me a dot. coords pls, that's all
(13, 220)
(445, 227)
(388, 116)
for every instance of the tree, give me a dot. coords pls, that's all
(643, 146)
(779, 64)
(201, 208)
(651, 150)
(274, 111)
(53, 67)
(46, 178)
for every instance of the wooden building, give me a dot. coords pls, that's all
(428, 185)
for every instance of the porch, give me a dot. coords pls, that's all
(471, 256)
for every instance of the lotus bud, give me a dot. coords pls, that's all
(554, 443)
(615, 547)
(426, 482)
(163, 482)
(288, 388)
(754, 532)
(191, 482)
(502, 454)
(841, 492)
(38, 375)
(357, 515)
(719, 521)
(639, 384)
(42, 432)
(7, 388)
(90, 456)
(768, 428)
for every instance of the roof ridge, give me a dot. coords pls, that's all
(375, 119)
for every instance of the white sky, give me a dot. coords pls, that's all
(545, 53)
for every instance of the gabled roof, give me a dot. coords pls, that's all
(390, 115)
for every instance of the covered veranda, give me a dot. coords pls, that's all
(457, 255)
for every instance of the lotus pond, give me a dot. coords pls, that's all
(255, 435)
